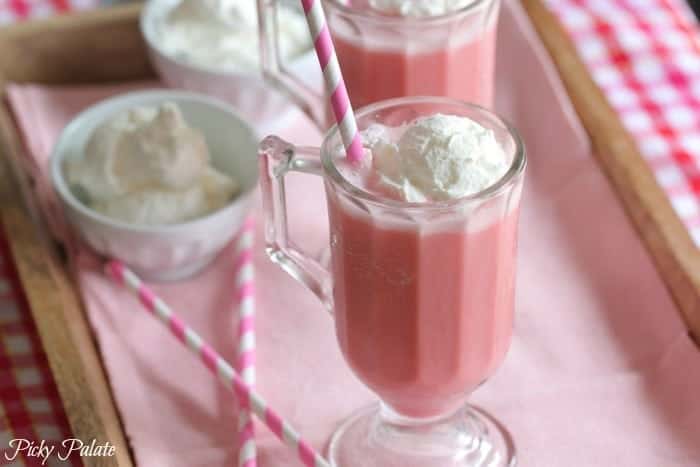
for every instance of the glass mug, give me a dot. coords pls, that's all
(388, 56)
(422, 295)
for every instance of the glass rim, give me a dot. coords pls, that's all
(515, 170)
(412, 20)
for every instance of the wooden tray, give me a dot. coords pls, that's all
(106, 46)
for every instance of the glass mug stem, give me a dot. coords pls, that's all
(277, 159)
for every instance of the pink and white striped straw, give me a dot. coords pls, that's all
(245, 302)
(333, 77)
(247, 397)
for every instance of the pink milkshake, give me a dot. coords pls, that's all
(424, 307)
(422, 319)
(387, 51)
(422, 275)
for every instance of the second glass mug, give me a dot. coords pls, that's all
(385, 57)
(422, 295)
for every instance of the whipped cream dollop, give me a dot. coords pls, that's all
(436, 158)
(418, 8)
(223, 34)
(146, 166)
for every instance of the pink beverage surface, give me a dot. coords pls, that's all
(460, 71)
(422, 319)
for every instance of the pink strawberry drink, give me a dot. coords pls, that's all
(396, 48)
(424, 306)
(421, 282)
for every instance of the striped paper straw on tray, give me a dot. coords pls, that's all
(247, 397)
(245, 304)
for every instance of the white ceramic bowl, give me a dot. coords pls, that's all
(164, 252)
(247, 92)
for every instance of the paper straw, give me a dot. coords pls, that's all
(247, 397)
(245, 303)
(335, 84)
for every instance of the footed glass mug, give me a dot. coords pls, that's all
(422, 295)
(387, 56)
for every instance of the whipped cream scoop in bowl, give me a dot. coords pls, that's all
(159, 179)
(212, 47)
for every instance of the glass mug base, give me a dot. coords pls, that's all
(469, 438)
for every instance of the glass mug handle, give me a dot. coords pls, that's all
(277, 158)
(274, 71)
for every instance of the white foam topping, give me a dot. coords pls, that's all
(436, 158)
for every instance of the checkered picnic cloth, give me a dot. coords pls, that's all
(17, 10)
(645, 56)
(30, 407)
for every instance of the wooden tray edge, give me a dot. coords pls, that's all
(664, 235)
(103, 45)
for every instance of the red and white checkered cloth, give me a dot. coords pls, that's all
(30, 406)
(645, 56)
(17, 10)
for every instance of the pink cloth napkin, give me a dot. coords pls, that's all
(601, 371)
